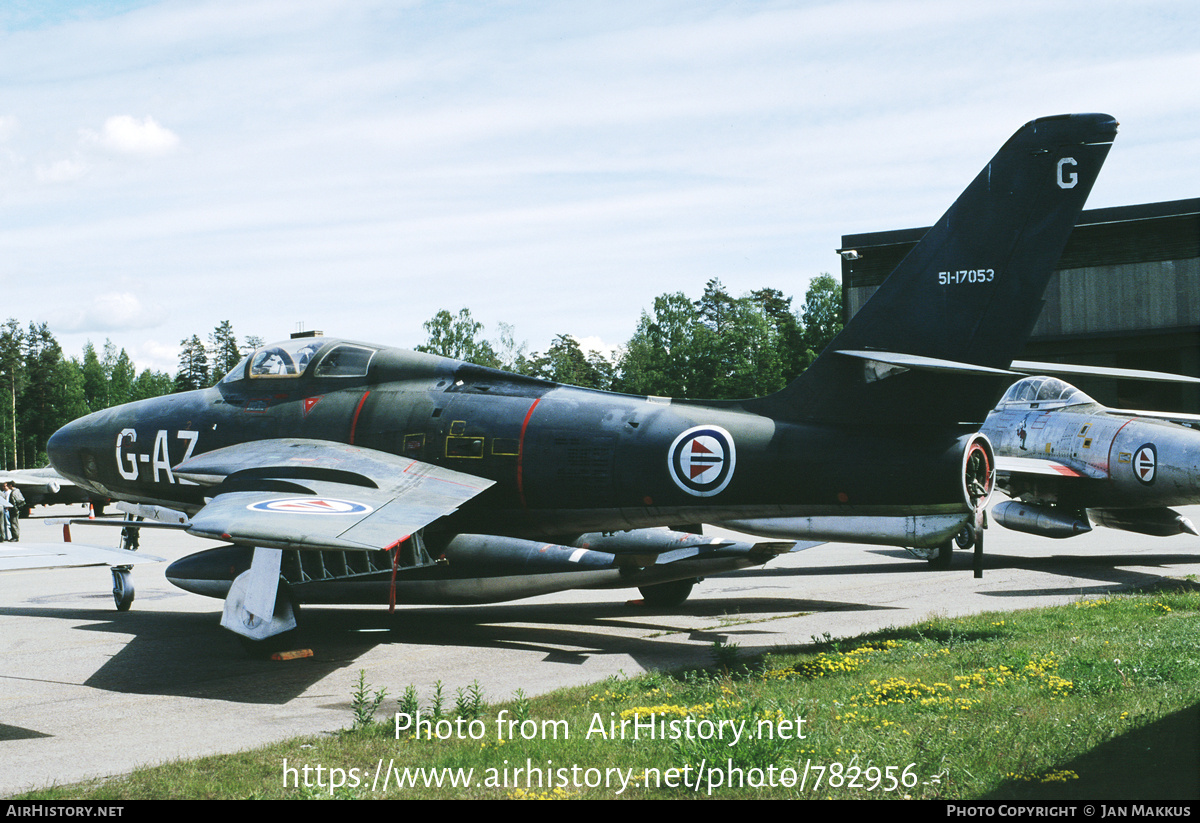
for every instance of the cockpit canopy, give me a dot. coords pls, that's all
(293, 358)
(1042, 393)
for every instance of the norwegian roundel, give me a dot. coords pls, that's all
(310, 505)
(1145, 463)
(701, 460)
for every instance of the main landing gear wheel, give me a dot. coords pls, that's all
(667, 594)
(122, 588)
(965, 539)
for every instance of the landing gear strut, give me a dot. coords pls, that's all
(122, 576)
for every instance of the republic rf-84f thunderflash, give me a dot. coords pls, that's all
(345, 472)
(1067, 461)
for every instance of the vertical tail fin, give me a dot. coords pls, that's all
(969, 292)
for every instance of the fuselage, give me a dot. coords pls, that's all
(1118, 459)
(564, 460)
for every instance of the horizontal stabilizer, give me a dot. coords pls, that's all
(1032, 367)
(889, 359)
(68, 555)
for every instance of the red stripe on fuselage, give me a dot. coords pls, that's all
(521, 453)
(357, 410)
(1111, 443)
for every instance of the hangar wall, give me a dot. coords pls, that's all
(1126, 292)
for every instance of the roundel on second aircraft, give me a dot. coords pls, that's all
(1145, 463)
(701, 460)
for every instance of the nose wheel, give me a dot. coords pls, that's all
(122, 588)
(122, 578)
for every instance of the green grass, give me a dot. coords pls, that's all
(1096, 699)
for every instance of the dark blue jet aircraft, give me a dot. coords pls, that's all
(345, 472)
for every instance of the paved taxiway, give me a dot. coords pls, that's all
(86, 691)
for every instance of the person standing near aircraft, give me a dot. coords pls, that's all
(5, 507)
(16, 502)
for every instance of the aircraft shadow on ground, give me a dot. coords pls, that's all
(1111, 571)
(1157, 762)
(188, 654)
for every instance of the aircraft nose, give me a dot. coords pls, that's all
(72, 447)
(60, 447)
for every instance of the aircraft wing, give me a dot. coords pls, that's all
(23, 556)
(314, 494)
(37, 481)
(1033, 465)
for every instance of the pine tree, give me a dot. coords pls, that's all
(224, 353)
(193, 366)
(12, 384)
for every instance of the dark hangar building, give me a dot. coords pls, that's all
(1125, 293)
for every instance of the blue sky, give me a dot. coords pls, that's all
(356, 166)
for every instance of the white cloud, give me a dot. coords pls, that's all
(156, 356)
(118, 311)
(123, 134)
(413, 157)
(593, 343)
(62, 171)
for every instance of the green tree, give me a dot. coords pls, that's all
(787, 333)
(458, 337)
(95, 381)
(749, 356)
(511, 354)
(718, 347)
(12, 384)
(152, 384)
(53, 394)
(604, 368)
(193, 366)
(223, 350)
(821, 314)
(565, 362)
(660, 358)
(120, 374)
(715, 307)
